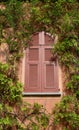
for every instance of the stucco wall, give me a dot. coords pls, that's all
(47, 102)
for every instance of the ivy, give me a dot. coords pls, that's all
(19, 19)
(15, 34)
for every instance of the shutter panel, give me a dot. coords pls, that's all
(34, 40)
(48, 39)
(49, 76)
(32, 70)
(33, 54)
(50, 68)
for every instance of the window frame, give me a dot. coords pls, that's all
(58, 93)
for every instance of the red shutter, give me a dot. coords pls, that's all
(32, 69)
(41, 74)
(50, 68)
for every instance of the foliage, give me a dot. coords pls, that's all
(15, 33)
(18, 21)
(60, 17)
(26, 117)
(67, 113)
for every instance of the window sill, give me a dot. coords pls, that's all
(54, 94)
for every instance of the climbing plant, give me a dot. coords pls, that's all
(61, 18)
(15, 34)
(19, 19)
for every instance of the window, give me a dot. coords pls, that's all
(41, 73)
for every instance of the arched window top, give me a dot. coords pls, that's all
(41, 38)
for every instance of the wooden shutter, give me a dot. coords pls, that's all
(50, 68)
(41, 74)
(32, 69)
